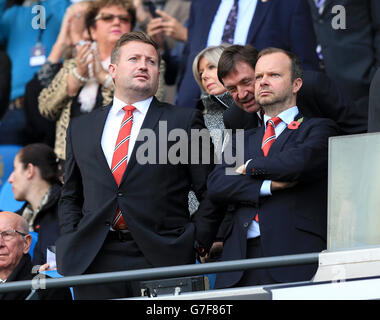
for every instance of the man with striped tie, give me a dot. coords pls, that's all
(280, 190)
(119, 211)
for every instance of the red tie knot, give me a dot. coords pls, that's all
(129, 109)
(274, 121)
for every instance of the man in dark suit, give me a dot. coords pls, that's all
(348, 35)
(319, 96)
(152, 194)
(280, 189)
(274, 23)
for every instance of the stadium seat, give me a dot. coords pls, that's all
(7, 201)
(7, 154)
(34, 241)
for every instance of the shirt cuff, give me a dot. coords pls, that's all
(265, 188)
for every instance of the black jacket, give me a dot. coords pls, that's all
(46, 225)
(24, 271)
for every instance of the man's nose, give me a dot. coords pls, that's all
(263, 81)
(143, 64)
(242, 93)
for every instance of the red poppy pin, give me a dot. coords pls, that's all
(295, 124)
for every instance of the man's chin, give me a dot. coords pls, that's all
(250, 108)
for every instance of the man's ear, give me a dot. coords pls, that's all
(27, 243)
(112, 70)
(297, 84)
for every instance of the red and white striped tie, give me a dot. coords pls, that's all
(120, 159)
(269, 135)
(268, 140)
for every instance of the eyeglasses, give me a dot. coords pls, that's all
(8, 235)
(108, 17)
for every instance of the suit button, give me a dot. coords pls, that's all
(107, 223)
(119, 194)
(246, 224)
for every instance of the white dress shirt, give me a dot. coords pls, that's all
(113, 123)
(245, 15)
(287, 117)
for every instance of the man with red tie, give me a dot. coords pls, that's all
(119, 211)
(280, 189)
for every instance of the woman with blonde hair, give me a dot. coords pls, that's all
(215, 99)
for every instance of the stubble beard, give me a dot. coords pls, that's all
(274, 106)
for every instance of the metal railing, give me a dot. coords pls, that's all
(40, 282)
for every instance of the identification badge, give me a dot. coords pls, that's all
(37, 55)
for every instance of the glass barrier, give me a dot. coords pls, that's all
(354, 192)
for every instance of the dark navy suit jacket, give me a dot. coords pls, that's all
(276, 23)
(292, 221)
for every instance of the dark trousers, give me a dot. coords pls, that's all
(115, 255)
(254, 277)
(249, 277)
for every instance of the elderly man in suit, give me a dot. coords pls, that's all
(280, 188)
(120, 210)
(15, 261)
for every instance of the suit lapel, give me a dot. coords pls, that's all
(258, 18)
(254, 143)
(97, 129)
(151, 119)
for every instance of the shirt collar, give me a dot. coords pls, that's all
(286, 116)
(141, 106)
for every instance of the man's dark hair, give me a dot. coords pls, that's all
(295, 63)
(233, 55)
(133, 36)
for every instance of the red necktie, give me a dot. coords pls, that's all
(268, 139)
(120, 158)
(269, 135)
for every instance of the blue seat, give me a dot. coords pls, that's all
(34, 241)
(7, 200)
(7, 155)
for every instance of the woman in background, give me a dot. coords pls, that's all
(83, 83)
(215, 99)
(35, 180)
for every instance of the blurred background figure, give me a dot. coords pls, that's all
(83, 83)
(348, 36)
(28, 30)
(167, 25)
(73, 29)
(35, 180)
(5, 81)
